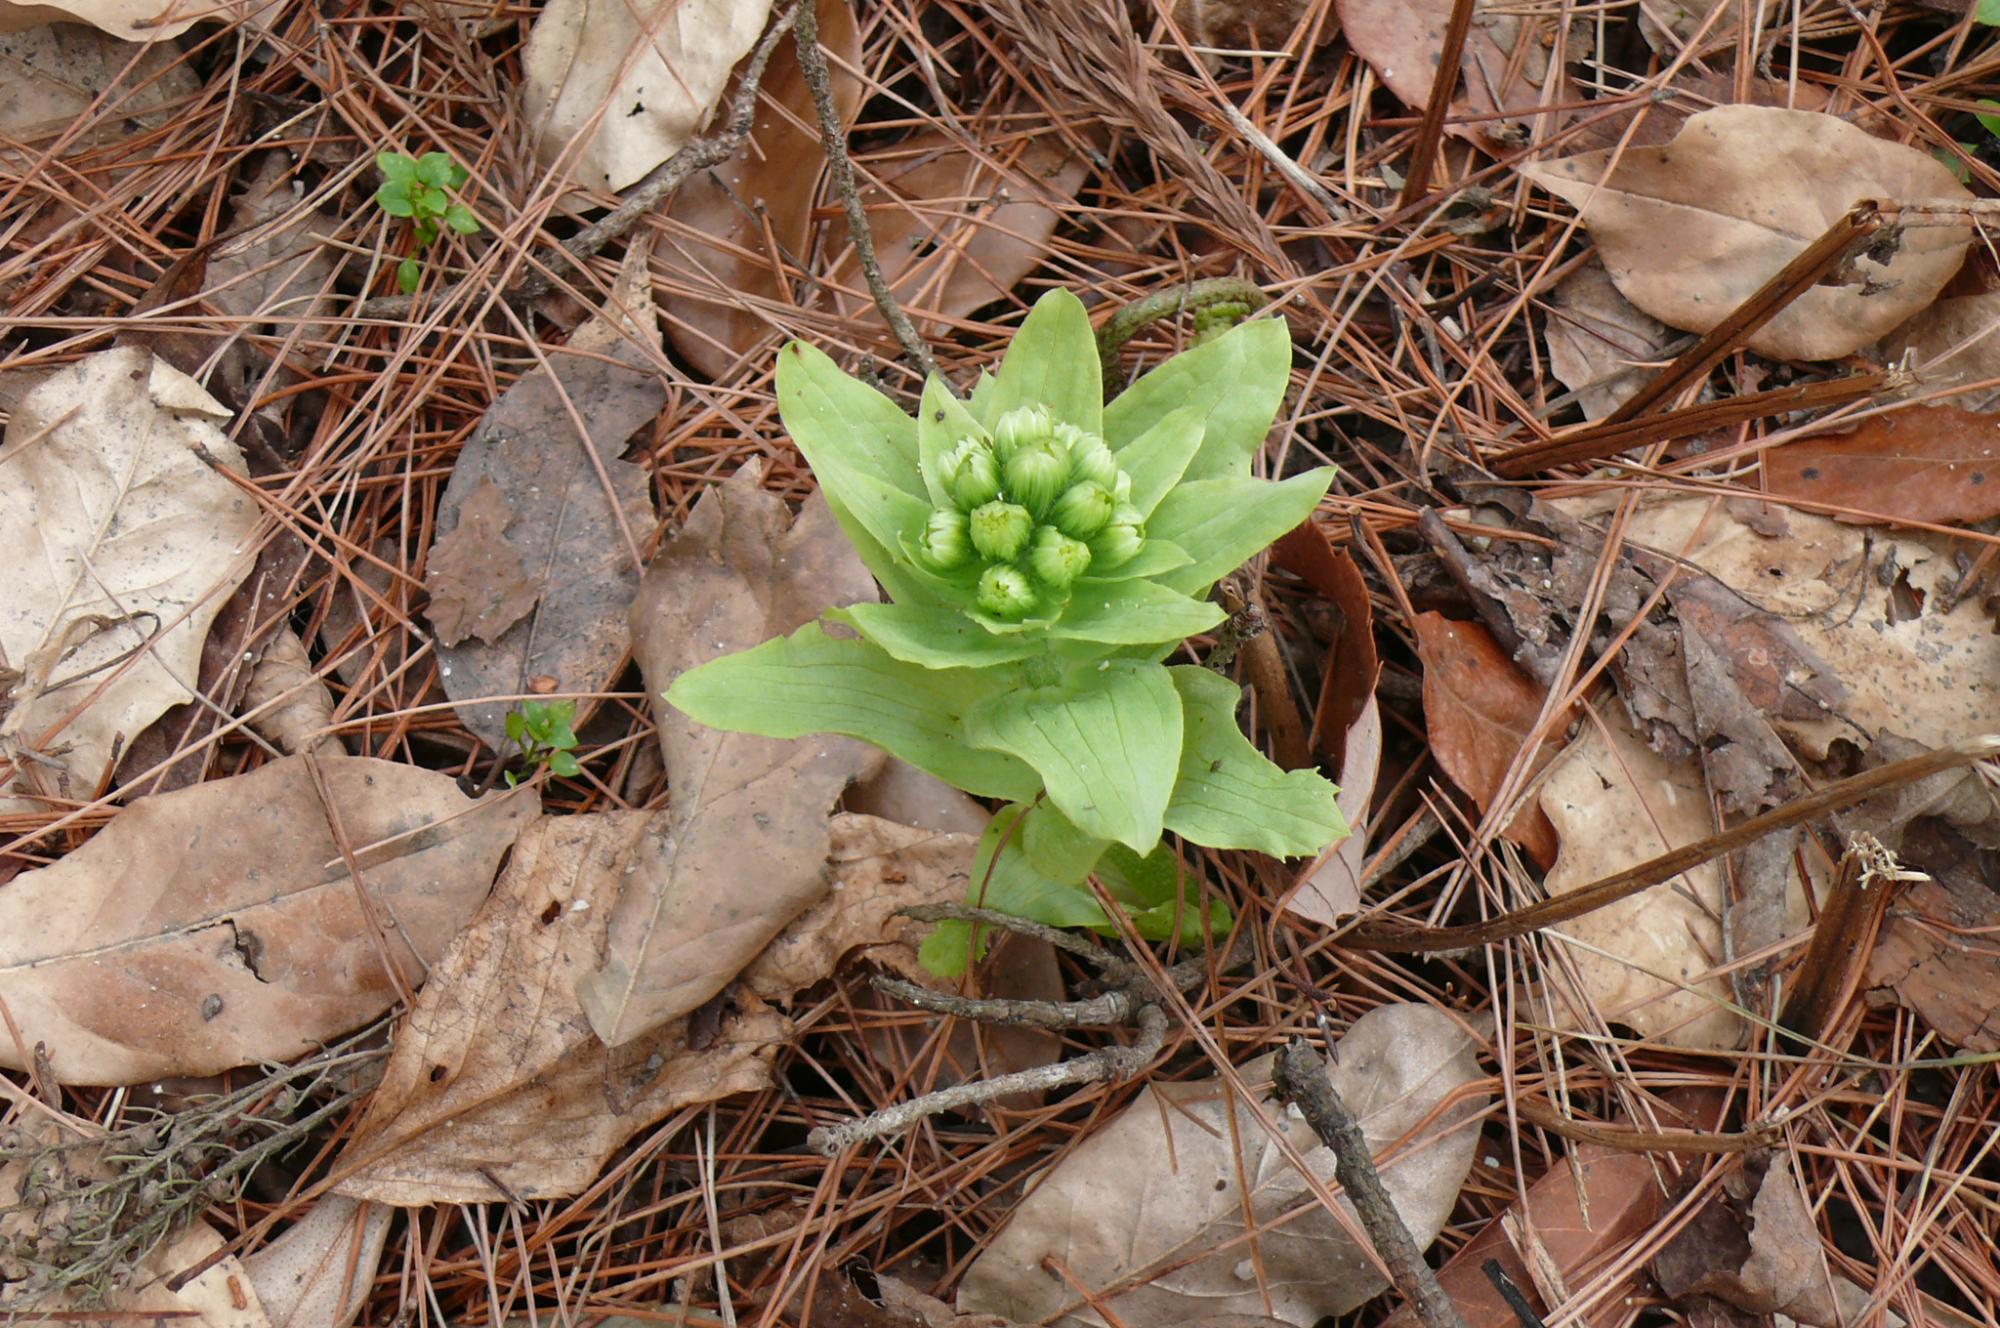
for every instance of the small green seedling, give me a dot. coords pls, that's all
(1045, 555)
(542, 728)
(416, 187)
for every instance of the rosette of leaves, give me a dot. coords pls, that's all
(1044, 553)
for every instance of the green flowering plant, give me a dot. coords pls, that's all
(1044, 553)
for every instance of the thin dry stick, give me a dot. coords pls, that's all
(833, 135)
(1300, 1076)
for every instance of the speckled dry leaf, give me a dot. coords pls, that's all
(1160, 1185)
(634, 82)
(479, 586)
(1690, 230)
(1953, 342)
(747, 845)
(131, 20)
(125, 543)
(217, 925)
(738, 229)
(1596, 338)
(1479, 710)
(320, 1270)
(51, 76)
(495, 1074)
(953, 232)
(574, 540)
(1937, 464)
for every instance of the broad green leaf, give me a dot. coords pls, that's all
(935, 638)
(942, 420)
(394, 199)
(1988, 116)
(432, 202)
(1133, 613)
(809, 682)
(1229, 795)
(1154, 557)
(435, 168)
(1157, 458)
(1158, 923)
(905, 580)
(398, 168)
(1238, 380)
(1055, 847)
(1987, 12)
(517, 726)
(981, 401)
(1052, 361)
(564, 764)
(1106, 742)
(863, 451)
(409, 275)
(1221, 523)
(1156, 894)
(459, 217)
(1009, 885)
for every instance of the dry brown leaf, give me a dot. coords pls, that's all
(126, 542)
(271, 272)
(1952, 341)
(217, 925)
(1596, 336)
(1936, 954)
(614, 88)
(300, 709)
(1479, 710)
(559, 526)
(1240, 24)
(1754, 1245)
(746, 845)
(953, 231)
(1333, 887)
(1691, 230)
(318, 1273)
(1505, 63)
(1937, 464)
(496, 1080)
(741, 227)
(138, 21)
(1160, 1184)
(51, 76)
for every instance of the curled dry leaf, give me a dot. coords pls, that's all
(1690, 230)
(286, 701)
(1754, 1244)
(1149, 1209)
(1505, 64)
(128, 541)
(740, 229)
(1480, 710)
(1596, 338)
(1937, 464)
(533, 567)
(318, 1273)
(217, 925)
(614, 88)
(747, 845)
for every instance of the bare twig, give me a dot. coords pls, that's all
(1300, 1075)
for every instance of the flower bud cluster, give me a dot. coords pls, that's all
(1034, 508)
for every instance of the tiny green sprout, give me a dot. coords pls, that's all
(542, 728)
(419, 188)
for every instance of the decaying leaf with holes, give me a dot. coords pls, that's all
(219, 925)
(127, 539)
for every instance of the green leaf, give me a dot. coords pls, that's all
(942, 420)
(513, 780)
(437, 168)
(427, 231)
(861, 448)
(394, 199)
(906, 582)
(1221, 523)
(517, 726)
(1238, 380)
(459, 217)
(809, 682)
(1158, 923)
(1229, 796)
(1133, 613)
(1955, 165)
(1156, 895)
(409, 275)
(981, 402)
(1009, 885)
(935, 638)
(1987, 12)
(431, 202)
(397, 167)
(1157, 458)
(1056, 848)
(565, 764)
(1106, 742)
(1052, 361)
(1988, 116)
(1154, 557)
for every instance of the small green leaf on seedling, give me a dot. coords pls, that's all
(417, 188)
(459, 217)
(409, 273)
(542, 730)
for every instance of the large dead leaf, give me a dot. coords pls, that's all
(318, 1273)
(1939, 464)
(1936, 954)
(1754, 1244)
(125, 542)
(1479, 711)
(1690, 230)
(218, 925)
(747, 845)
(615, 88)
(532, 570)
(146, 21)
(955, 230)
(271, 273)
(51, 76)
(1505, 62)
(1601, 346)
(1160, 1187)
(743, 226)
(1952, 342)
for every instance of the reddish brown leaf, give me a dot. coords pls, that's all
(1351, 665)
(1936, 464)
(1479, 709)
(479, 586)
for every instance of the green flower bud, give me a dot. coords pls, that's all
(946, 542)
(1056, 559)
(1005, 593)
(970, 474)
(1019, 427)
(1036, 474)
(1082, 509)
(1001, 530)
(1120, 539)
(1092, 460)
